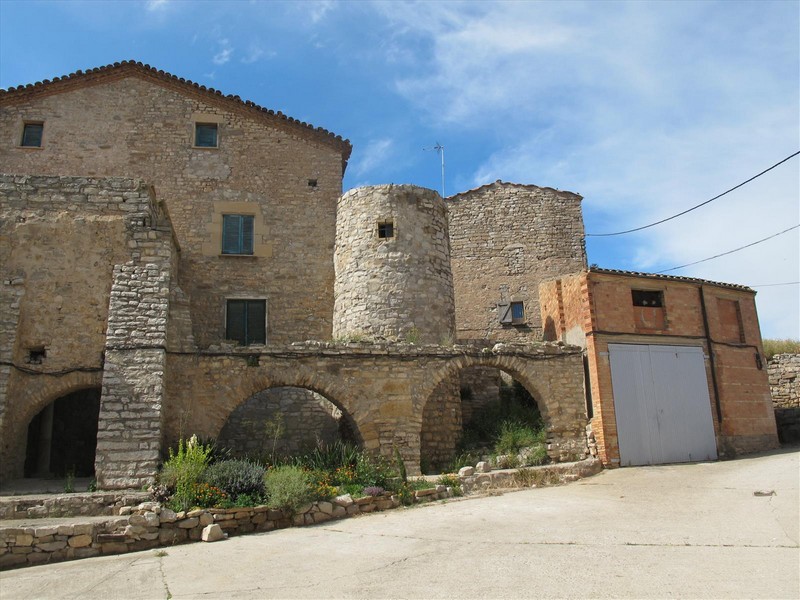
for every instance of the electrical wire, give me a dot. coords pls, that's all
(697, 262)
(688, 210)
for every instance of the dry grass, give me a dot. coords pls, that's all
(785, 346)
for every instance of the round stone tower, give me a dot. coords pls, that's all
(392, 263)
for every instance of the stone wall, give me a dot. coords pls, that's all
(784, 380)
(784, 373)
(505, 239)
(71, 244)
(282, 420)
(398, 286)
(133, 121)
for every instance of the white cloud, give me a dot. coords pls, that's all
(645, 109)
(255, 52)
(156, 5)
(224, 54)
(375, 154)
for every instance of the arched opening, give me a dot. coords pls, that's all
(285, 421)
(478, 413)
(62, 437)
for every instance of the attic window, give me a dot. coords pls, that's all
(32, 135)
(205, 135)
(386, 230)
(649, 298)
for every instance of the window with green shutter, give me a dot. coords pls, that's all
(246, 321)
(237, 234)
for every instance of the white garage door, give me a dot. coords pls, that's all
(662, 404)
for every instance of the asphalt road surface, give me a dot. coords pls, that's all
(677, 531)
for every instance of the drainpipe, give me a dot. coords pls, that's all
(712, 363)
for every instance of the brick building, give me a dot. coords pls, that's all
(167, 251)
(675, 364)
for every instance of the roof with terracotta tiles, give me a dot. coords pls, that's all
(129, 67)
(734, 286)
(510, 184)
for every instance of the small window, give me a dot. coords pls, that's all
(648, 298)
(246, 321)
(237, 234)
(512, 313)
(205, 135)
(386, 230)
(32, 135)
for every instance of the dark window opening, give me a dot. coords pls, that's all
(648, 298)
(246, 321)
(36, 355)
(205, 135)
(386, 230)
(237, 234)
(62, 438)
(312, 183)
(32, 135)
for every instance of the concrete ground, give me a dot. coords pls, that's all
(678, 531)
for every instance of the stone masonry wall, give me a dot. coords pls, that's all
(303, 417)
(61, 240)
(133, 122)
(784, 380)
(505, 239)
(397, 286)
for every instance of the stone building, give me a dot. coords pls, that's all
(177, 261)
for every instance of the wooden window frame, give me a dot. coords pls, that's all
(244, 245)
(249, 337)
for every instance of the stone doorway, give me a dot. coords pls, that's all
(62, 437)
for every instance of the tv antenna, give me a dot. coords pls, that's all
(440, 151)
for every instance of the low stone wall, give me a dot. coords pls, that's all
(784, 386)
(784, 380)
(90, 504)
(149, 525)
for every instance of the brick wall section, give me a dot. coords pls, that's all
(132, 123)
(602, 302)
(506, 239)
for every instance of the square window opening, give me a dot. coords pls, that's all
(237, 234)
(205, 135)
(386, 230)
(32, 135)
(648, 298)
(246, 321)
(36, 355)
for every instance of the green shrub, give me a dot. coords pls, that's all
(515, 435)
(452, 481)
(329, 457)
(373, 470)
(784, 346)
(537, 455)
(236, 477)
(183, 470)
(287, 487)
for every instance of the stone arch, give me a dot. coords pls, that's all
(554, 381)
(40, 391)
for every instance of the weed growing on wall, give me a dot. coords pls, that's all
(784, 346)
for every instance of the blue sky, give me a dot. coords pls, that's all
(645, 109)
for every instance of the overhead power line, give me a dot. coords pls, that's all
(697, 262)
(688, 210)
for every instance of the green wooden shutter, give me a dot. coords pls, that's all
(231, 242)
(235, 321)
(247, 235)
(256, 325)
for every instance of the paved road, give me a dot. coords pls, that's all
(682, 531)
